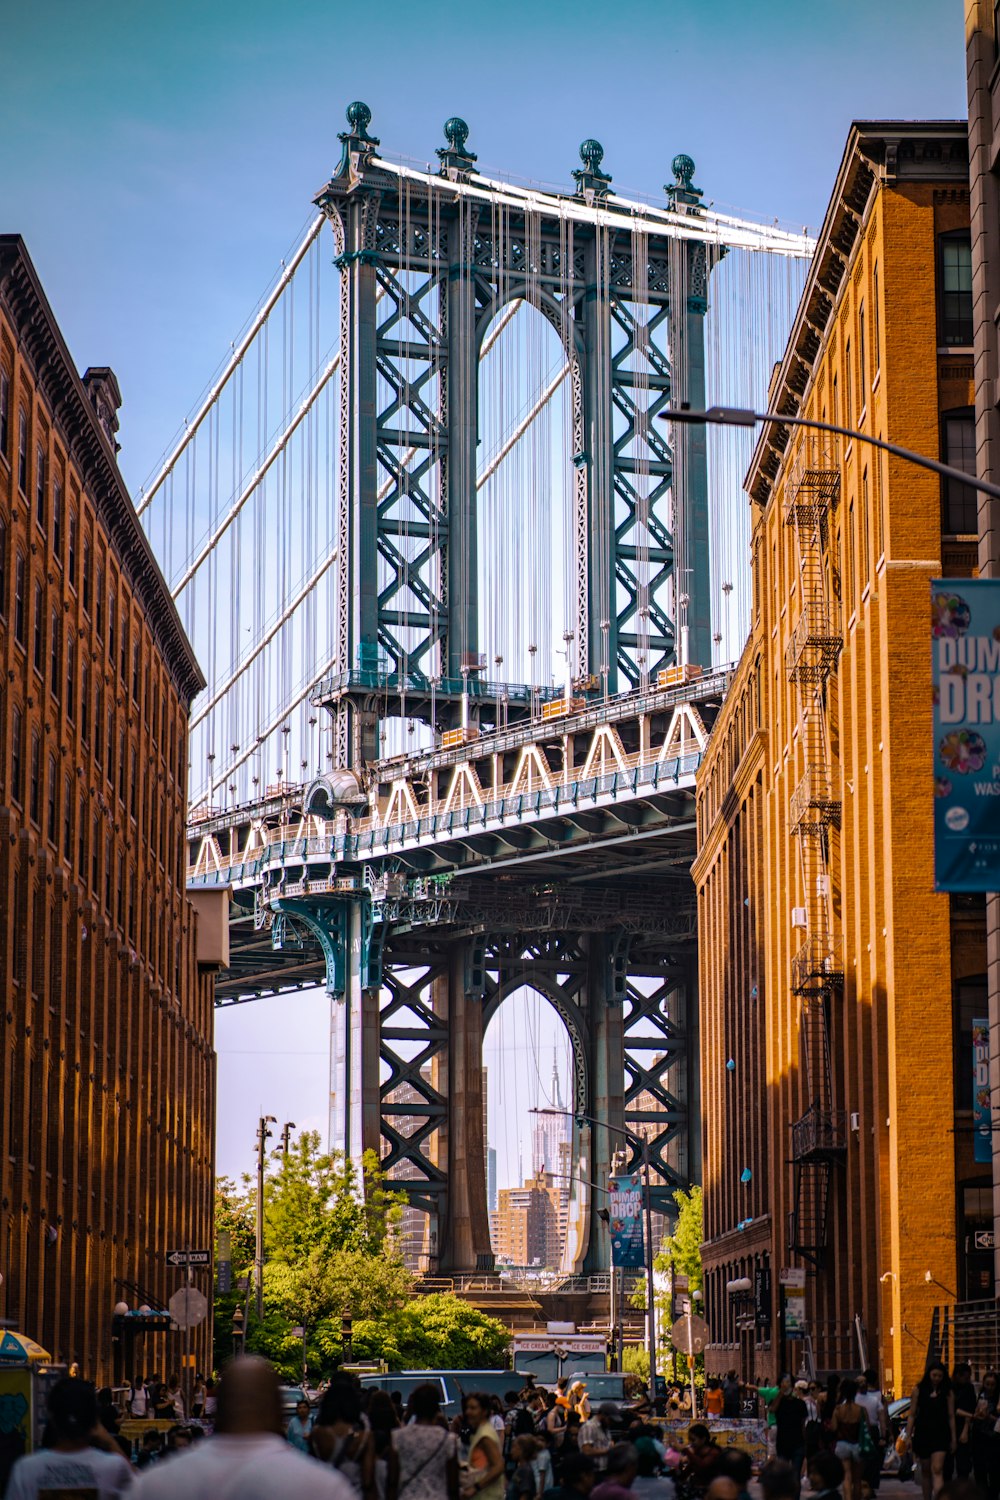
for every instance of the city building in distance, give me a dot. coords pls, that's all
(107, 1068)
(838, 990)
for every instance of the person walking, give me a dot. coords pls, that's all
(72, 1465)
(964, 1393)
(930, 1427)
(848, 1420)
(983, 1438)
(622, 1467)
(341, 1439)
(731, 1400)
(248, 1457)
(870, 1397)
(595, 1435)
(300, 1426)
(484, 1474)
(423, 1457)
(790, 1414)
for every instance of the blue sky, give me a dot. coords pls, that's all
(161, 159)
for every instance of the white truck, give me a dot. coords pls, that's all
(560, 1350)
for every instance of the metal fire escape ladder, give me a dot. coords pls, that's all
(818, 1137)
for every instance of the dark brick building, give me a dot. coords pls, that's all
(107, 1073)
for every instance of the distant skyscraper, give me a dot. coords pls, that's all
(491, 1178)
(550, 1132)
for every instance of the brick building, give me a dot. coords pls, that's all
(530, 1222)
(107, 1077)
(837, 989)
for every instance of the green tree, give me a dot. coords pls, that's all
(439, 1332)
(329, 1251)
(680, 1255)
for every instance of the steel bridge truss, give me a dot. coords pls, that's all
(427, 266)
(625, 1013)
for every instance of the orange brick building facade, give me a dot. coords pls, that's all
(107, 1070)
(837, 988)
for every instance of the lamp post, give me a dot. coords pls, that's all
(263, 1135)
(642, 1144)
(739, 416)
(238, 1330)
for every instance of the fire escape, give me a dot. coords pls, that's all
(819, 1137)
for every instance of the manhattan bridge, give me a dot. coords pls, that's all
(465, 604)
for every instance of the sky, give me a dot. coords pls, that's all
(160, 161)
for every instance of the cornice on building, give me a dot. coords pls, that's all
(881, 152)
(91, 449)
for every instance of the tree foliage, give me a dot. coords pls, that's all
(330, 1253)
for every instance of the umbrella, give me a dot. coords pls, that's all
(18, 1349)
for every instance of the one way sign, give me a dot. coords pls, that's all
(189, 1257)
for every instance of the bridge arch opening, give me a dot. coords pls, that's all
(525, 492)
(533, 1059)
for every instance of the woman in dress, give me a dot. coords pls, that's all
(484, 1475)
(930, 1427)
(423, 1456)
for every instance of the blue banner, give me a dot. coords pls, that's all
(965, 626)
(982, 1115)
(627, 1247)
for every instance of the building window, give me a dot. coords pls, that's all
(124, 660)
(22, 451)
(848, 387)
(54, 653)
(71, 555)
(121, 767)
(865, 530)
(85, 703)
(95, 854)
(35, 783)
(955, 287)
(86, 575)
(133, 784)
(107, 873)
(16, 756)
(135, 671)
(969, 1005)
(40, 478)
(959, 509)
(52, 826)
(57, 519)
(81, 839)
(876, 321)
(19, 626)
(99, 605)
(67, 818)
(120, 894)
(98, 726)
(851, 561)
(70, 679)
(3, 568)
(111, 746)
(4, 413)
(112, 615)
(862, 365)
(37, 645)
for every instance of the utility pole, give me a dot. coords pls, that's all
(263, 1136)
(286, 1131)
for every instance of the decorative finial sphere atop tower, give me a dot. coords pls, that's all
(591, 154)
(456, 133)
(683, 169)
(359, 116)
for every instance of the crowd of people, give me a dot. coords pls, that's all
(535, 1444)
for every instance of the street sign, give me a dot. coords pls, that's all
(983, 1239)
(189, 1257)
(188, 1307)
(690, 1335)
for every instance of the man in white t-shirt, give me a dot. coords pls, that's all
(248, 1459)
(72, 1466)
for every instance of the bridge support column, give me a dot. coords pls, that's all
(354, 1035)
(696, 582)
(465, 1233)
(607, 1085)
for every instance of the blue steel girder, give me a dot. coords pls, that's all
(413, 1043)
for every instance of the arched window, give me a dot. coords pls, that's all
(40, 484)
(85, 703)
(54, 652)
(67, 818)
(22, 451)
